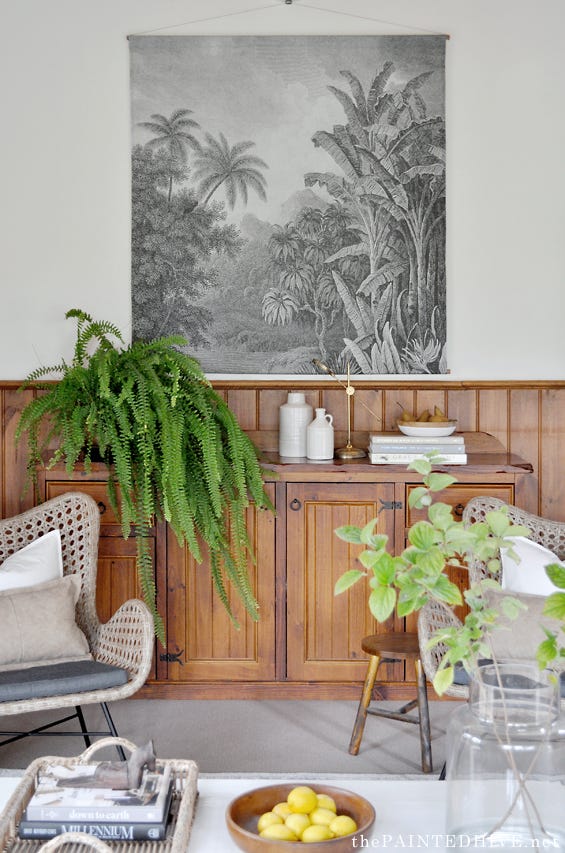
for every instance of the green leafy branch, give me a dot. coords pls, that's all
(406, 582)
(551, 649)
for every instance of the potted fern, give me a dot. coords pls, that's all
(171, 444)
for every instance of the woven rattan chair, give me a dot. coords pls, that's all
(550, 534)
(434, 615)
(125, 641)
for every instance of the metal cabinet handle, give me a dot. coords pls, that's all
(458, 510)
(102, 507)
(295, 505)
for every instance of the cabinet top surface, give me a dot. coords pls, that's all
(486, 456)
(477, 463)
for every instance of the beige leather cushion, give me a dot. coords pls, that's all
(38, 623)
(520, 637)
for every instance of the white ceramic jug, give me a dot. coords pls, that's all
(320, 436)
(294, 417)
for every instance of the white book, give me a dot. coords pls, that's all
(63, 794)
(395, 438)
(406, 458)
(439, 446)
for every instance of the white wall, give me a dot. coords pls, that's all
(65, 147)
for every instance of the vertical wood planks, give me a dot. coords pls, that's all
(552, 482)
(528, 419)
(15, 496)
(493, 414)
(368, 410)
(462, 406)
(243, 403)
(524, 430)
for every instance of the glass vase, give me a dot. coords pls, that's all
(506, 761)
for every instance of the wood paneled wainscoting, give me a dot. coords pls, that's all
(307, 643)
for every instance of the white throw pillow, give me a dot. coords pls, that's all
(529, 574)
(38, 562)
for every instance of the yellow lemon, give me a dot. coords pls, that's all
(282, 809)
(279, 832)
(268, 819)
(316, 833)
(322, 817)
(326, 802)
(298, 823)
(302, 799)
(343, 825)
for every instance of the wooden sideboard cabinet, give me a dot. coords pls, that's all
(307, 643)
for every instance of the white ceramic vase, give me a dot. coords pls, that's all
(320, 436)
(294, 417)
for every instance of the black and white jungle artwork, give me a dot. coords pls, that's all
(288, 201)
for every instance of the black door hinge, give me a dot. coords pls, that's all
(389, 505)
(172, 657)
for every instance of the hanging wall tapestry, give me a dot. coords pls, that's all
(288, 199)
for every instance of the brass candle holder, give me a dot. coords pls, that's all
(349, 451)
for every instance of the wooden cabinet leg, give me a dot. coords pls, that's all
(359, 726)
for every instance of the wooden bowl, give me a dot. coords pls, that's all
(243, 813)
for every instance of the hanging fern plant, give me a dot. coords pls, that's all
(170, 442)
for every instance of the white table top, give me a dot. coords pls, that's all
(409, 814)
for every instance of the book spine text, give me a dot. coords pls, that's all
(108, 831)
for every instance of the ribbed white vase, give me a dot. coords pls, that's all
(294, 417)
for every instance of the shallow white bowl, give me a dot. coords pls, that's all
(434, 429)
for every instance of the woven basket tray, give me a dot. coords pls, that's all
(184, 774)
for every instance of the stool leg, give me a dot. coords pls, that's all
(424, 714)
(359, 726)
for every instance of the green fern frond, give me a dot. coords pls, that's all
(173, 447)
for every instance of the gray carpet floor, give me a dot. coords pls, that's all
(249, 737)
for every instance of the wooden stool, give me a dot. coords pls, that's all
(392, 648)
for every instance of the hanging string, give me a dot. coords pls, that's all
(286, 3)
(205, 20)
(367, 18)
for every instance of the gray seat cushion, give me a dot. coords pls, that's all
(461, 677)
(58, 679)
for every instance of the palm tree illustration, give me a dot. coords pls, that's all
(391, 183)
(174, 135)
(219, 163)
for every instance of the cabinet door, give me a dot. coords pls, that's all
(202, 642)
(324, 631)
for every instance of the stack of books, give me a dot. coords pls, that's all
(393, 449)
(63, 801)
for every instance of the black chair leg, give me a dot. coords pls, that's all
(45, 729)
(112, 728)
(424, 718)
(83, 728)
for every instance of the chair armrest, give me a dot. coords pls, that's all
(127, 639)
(433, 617)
